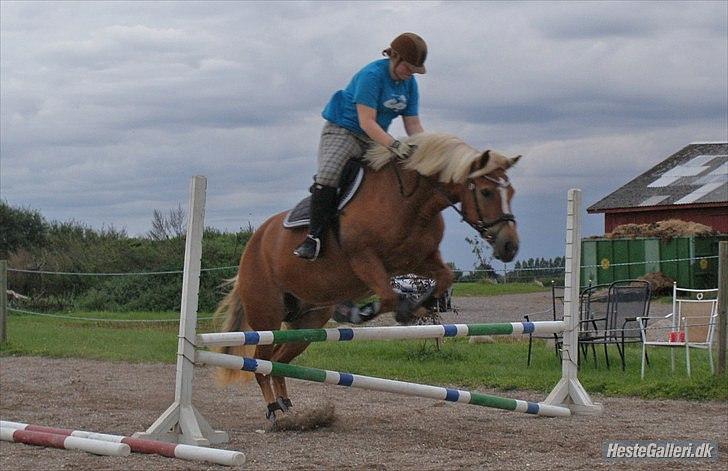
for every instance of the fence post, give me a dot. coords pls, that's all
(569, 392)
(3, 299)
(182, 422)
(722, 305)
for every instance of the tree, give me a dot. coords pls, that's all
(168, 227)
(482, 259)
(21, 228)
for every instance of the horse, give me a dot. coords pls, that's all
(392, 226)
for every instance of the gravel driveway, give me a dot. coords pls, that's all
(371, 431)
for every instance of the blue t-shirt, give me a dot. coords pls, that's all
(372, 86)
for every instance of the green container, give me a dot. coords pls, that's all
(691, 261)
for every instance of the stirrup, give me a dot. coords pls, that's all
(309, 249)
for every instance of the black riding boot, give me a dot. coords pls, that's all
(323, 208)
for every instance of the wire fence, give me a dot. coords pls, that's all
(497, 274)
(505, 268)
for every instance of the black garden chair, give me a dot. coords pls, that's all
(557, 313)
(608, 316)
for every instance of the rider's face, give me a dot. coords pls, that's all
(403, 71)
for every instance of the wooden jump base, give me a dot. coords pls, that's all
(138, 445)
(378, 384)
(183, 423)
(53, 440)
(273, 337)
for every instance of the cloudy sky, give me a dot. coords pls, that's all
(108, 108)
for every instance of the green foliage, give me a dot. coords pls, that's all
(21, 228)
(71, 247)
(541, 269)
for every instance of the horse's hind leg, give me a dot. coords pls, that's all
(265, 312)
(265, 352)
(312, 318)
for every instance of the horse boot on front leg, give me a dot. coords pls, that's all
(351, 313)
(323, 210)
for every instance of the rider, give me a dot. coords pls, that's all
(358, 116)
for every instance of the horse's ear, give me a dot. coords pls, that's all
(512, 162)
(484, 159)
(481, 162)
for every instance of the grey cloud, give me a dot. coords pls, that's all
(107, 108)
(617, 19)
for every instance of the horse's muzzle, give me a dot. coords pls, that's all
(504, 242)
(508, 252)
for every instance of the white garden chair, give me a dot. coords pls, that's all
(691, 324)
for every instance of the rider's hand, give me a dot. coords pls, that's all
(401, 149)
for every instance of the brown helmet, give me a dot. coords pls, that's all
(412, 49)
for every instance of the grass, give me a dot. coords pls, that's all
(456, 363)
(477, 288)
(502, 365)
(105, 339)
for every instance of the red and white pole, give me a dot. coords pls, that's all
(137, 445)
(31, 437)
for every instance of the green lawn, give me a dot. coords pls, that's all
(478, 288)
(456, 363)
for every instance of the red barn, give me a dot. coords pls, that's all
(691, 185)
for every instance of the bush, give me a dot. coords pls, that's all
(75, 248)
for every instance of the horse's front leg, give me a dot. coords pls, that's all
(368, 267)
(434, 267)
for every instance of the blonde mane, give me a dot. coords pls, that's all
(444, 155)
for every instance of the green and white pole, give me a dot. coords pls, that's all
(274, 337)
(378, 384)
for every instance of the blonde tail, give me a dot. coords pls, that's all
(234, 321)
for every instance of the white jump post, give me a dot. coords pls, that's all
(182, 422)
(569, 392)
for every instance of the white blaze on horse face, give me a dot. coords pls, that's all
(505, 206)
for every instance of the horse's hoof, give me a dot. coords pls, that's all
(409, 309)
(284, 404)
(342, 312)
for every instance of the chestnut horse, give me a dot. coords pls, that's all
(392, 226)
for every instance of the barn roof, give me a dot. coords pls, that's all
(696, 174)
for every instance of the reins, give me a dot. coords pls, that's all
(401, 184)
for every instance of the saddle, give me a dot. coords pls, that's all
(350, 181)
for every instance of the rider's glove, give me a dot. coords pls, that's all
(401, 149)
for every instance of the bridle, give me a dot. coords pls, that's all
(486, 227)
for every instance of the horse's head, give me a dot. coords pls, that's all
(486, 203)
(477, 179)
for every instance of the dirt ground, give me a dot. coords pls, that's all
(371, 431)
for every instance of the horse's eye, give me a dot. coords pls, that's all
(486, 193)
